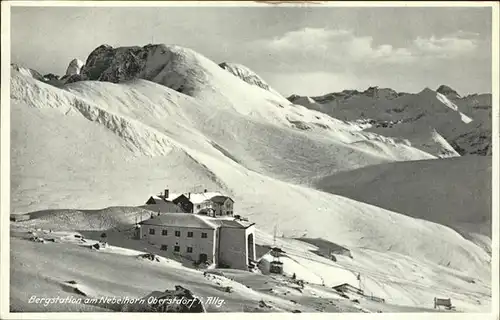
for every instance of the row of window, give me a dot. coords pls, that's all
(164, 247)
(224, 213)
(198, 206)
(164, 232)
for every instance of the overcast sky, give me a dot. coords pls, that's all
(307, 51)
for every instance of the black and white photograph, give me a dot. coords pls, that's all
(249, 157)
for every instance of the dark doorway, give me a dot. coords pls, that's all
(203, 257)
(251, 247)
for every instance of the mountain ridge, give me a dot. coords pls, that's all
(470, 135)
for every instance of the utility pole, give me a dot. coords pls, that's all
(274, 237)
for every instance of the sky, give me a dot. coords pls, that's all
(297, 50)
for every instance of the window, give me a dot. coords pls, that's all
(189, 249)
(163, 247)
(190, 234)
(203, 234)
(151, 231)
(177, 233)
(177, 248)
(164, 232)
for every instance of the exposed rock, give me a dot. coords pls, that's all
(245, 74)
(149, 256)
(448, 92)
(477, 141)
(72, 78)
(114, 65)
(51, 76)
(172, 66)
(74, 67)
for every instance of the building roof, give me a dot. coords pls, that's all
(231, 223)
(186, 220)
(157, 198)
(189, 220)
(195, 198)
(163, 206)
(220, 199)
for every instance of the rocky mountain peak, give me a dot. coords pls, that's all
(74, 67)
(448, 92)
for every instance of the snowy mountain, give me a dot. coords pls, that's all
(28, 72)
(461, 122)
(138, 119)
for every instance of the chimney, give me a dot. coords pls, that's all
(165, 195)
(189, 195)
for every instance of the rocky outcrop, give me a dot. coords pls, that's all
(448, 92)
(478, 142)
(245, 74)
(380, 93)
(115, 65)
(172, 66)
(74, 67)
(51, 76)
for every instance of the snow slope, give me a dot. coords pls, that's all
(453, 107)
(116, 144)
(69, 270)
(247, 75)
(258, 145)
(400, 280)
(455, 192)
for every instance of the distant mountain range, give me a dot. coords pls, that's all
(425, 118)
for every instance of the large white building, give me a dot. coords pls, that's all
(222, 241)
